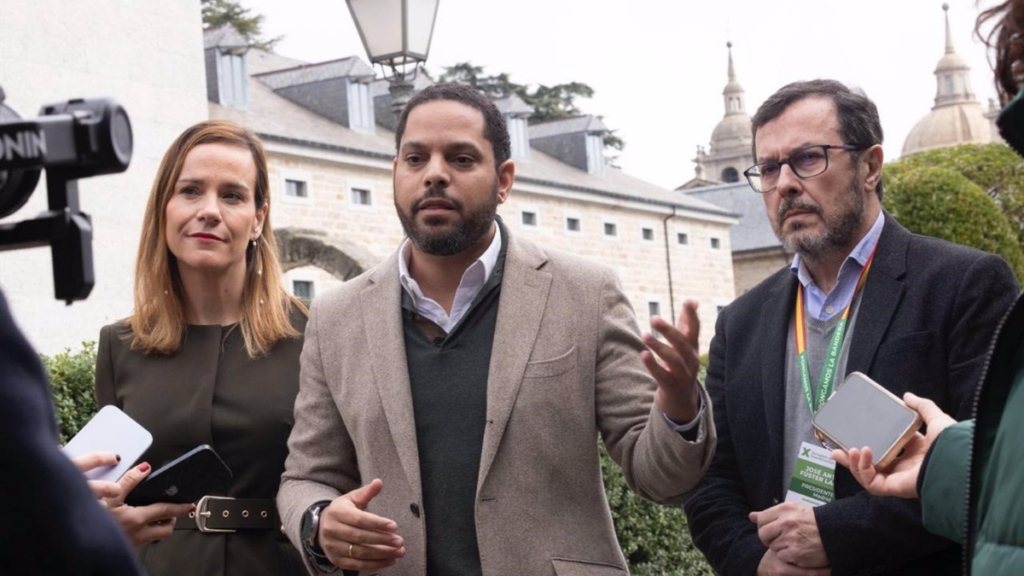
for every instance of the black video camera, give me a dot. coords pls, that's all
(71, 140)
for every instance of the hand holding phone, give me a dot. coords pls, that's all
(899, 479)
(110, 431)
(861, 413)
(188, 478)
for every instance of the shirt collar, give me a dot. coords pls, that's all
(860, 254)
(487, 261)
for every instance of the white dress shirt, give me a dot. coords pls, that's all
(473, 280)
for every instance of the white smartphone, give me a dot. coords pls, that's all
(863, 413)
(110, 430)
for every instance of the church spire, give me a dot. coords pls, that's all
(952, 74)
(732, 69)
(949, 34)
(733, 94)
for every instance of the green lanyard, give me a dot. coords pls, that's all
(828, 370)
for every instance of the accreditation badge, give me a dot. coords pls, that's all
(814, 477)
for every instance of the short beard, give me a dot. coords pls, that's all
(840, 230)
(454, 239)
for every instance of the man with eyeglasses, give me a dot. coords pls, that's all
(862, 294)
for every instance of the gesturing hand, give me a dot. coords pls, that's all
(676, 373)
(900, 477)
(790, 530)
(354, 539)
(144, 524)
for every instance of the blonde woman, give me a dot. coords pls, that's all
(210, 355)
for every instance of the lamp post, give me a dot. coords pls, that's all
(396, 34)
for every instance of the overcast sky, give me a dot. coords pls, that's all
(658, 67)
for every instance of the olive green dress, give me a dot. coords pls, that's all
(211, 392)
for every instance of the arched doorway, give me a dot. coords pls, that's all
(314, 262)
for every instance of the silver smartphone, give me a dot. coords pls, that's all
(862, 413)
(110, 430)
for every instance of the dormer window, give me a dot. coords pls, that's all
(233, 78)
(595, 154)
(360, 106)
(519, 135)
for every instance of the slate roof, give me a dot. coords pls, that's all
(379, 87)
(223, 37)
(573, 125)
(513, 105)
(307, 73)
(753, 231)
(275, 118)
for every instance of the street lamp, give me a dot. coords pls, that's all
(396, 34)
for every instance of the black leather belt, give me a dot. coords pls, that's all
(224, 514)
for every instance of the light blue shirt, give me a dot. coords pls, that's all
(823, 306)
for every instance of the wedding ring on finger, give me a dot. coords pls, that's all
(350, 554)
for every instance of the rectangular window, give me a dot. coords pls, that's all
(519, 136)
(303, 289)
(233, 80)
(360, 107)
(653, 309)
(610, 229)
(529, 218)
(648, 234)
(595, 154)
(361, 197)
(295, 189)
(716, 244)
(572, 224)
(683, 238)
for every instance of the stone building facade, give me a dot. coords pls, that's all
(333, 200)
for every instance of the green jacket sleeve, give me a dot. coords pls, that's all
(944, 485)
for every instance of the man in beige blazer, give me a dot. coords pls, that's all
(451, 398)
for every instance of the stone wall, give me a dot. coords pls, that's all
(147, 55)
(751, 268)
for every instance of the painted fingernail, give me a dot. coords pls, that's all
(118, 456)
(144, 467)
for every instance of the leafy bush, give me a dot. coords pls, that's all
(73, 382)
(654, 539)
(943, 203)
(997, 169)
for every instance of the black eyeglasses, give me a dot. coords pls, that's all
(807, 162)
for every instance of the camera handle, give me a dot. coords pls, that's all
(67, 231)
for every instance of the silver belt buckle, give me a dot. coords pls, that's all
(202, 515)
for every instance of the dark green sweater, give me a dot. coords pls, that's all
(448, 376)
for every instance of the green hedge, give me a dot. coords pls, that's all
(654, 538)
(73, 382)
(944, 203)
(995, 168)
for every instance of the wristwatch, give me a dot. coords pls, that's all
(310, 527)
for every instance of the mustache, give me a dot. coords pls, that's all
(790, 204)
(436, 192)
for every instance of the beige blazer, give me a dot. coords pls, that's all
(565, 368)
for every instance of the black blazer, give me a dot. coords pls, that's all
(50, 522)
(928, 313)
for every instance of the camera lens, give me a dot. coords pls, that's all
(121, 135)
